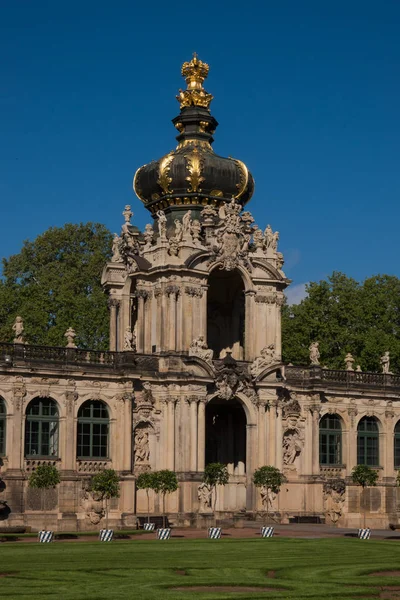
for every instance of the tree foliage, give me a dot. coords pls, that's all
(164, 482)
(269, 477)
(345, 316)
(364, 476)
(106, 483)
(147, 481)
(215, 474)
(54, 283)
(44, 477)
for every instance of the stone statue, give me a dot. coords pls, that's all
(268, 237)
(314, 353)
(199, 348)
(129, 340)
(274, 241)
(349, 362)
(196, 230)
(148, 397)
(359, 369)
(258, 239)
(92, 503)
(18, 329)
(178, 230)
(334, 496)
(279, 260)
(128, 214)
(224, 387)
(208, 215)
(116, 254)
(162, 224)
(261, 362)
(385, 362)
(204, 494)
(70, 335)
(186, 224)
(148, 236)
(173, 246)
(142, 449)
(292, 446)
(267, 497)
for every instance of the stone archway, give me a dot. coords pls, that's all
(226, 442)
(226, 313)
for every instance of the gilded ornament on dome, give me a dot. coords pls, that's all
(194, 166)
(217, 193)
(244, 179)
(164, 180)
(136, 188)
(195, 73)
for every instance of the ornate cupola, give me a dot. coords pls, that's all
(193, 176)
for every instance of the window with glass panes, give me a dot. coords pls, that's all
(330, 440)
(368, 442)
(93, 428)
(2, 427)
(41, 428)
(397, 446)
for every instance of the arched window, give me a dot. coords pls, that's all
(368, 442)
(93, 428)
(330, 440)
(397, 446)
(2, 427)
(41, 429)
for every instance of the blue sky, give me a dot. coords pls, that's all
(306, 93)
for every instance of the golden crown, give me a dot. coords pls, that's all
(195, 72)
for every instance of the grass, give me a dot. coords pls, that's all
(145, 569)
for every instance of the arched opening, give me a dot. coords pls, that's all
(226, 435)
(330, 440)
(226, 314)
(368, 442)
(397, 446)
(41, 428)
(93, 430)
(2, 427)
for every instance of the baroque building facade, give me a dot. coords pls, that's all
(194, 373)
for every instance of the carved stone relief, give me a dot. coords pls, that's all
(334, 497)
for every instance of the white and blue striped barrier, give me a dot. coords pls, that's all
(106, 535)
(163, 534)
(45, 536)
(149, 526)
(214, 533)
(267, 532)
(364, 534)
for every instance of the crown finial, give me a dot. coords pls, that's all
(194, 72)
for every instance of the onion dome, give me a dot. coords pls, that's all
(193, 176)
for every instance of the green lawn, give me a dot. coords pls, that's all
(147, 569)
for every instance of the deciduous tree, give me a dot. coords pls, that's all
(54, 283)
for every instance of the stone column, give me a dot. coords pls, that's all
(261, 434)
(249, 351)
(278, 436)
(389, 438)
(157, 317)
(140, 321)
(278, 331)
(171, 433)
(179, 322)
(315, 443)
(15, 450)
(271, 458)
(351, 458)
(250, 455)
(193, 433)
(68, 451)
(147, 321)
(172, 291)
(163, 317)
(201, 442)
(113, 305)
